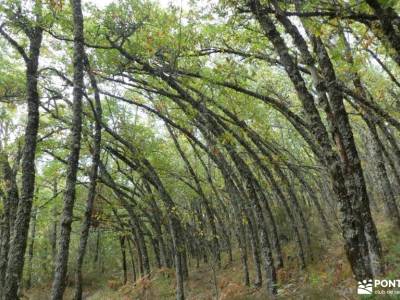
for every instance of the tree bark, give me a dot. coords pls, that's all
(20, 230)
(10, 205)
(151, 175)
(61, 267)
(209, 210)
(30, 250)
(92, 185)
(352, 165)
(353, 231)
(391, 209)
(136, 226)
(123, 258)
(54, 226)
(386, 17)
(254, 243)
(132, 260)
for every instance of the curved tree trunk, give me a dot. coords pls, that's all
(352, 225)
(209, 211)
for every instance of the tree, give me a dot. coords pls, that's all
(61, 266)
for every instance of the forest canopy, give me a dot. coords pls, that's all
(231, 149)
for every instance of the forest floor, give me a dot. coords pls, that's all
(327, 277)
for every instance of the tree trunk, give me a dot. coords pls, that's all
(268, 262)
(10, 205)
(132, 260)
(19, 238)
(208, 208)
(30, 250)
(97, 250)
(61, 267)
(123, 258)
(387, 17)
(352, 165)
(254, 243)
(241, 238)
(92, 186)
(353, 231)
(54, 225)
(139, 251)
(391, 209)
(156, 249)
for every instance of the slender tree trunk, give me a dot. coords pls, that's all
(256, 197)
(157, 225)
(151, 175)
(269, 177)
(185, 264)
(143, 247)
(139, 251)
(225, 231)
(315, 201)
(132, 260)
(240, 231)
(20, 230)
(297, 209)
(391, 139)
(123, 257)
(92, 186)
(136, 225)
(391, 208)
(30, 250)
(177, 253)
(241, 238)
(61, 267)
(209, 211)
(395, 171)
(97, 250)
(53, 229)
(268, 261)
(254, 243)
(10, 206)
(156, 248)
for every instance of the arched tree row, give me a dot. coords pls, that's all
(178, 138)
